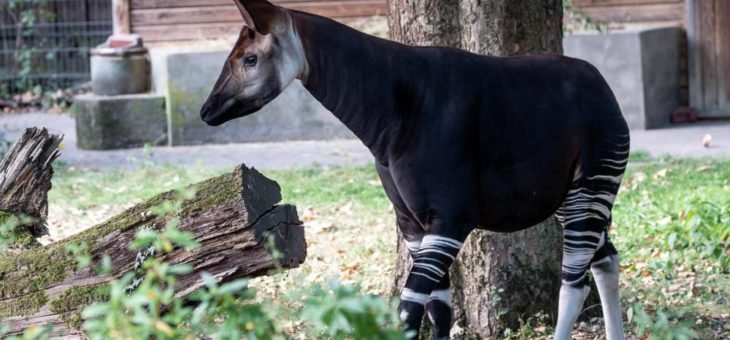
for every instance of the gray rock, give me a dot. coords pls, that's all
(114, 122)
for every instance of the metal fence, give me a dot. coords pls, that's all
(45, 43)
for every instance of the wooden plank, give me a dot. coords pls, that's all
(707, 53)
(120, 17)
(178, 32)
(582, 3)
(341, 9)
(229, 13)
(186, 15)
(722, 16)
(140, 4)
(636, 13)
(694, 60)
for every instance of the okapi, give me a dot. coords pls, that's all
(461, 141)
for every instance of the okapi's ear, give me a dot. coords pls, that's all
(262, 16)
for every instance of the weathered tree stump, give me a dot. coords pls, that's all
(234, 217)
(25, 178)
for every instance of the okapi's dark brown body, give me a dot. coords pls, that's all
(483, 141)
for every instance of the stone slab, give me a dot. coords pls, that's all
(116, 122)
(294, 115)
(641, 66)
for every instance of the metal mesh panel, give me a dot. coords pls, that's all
(47, 42)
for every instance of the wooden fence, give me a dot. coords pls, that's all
(44, 44)
(178, 20)
(668, 12)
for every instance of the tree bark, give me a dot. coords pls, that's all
(498, 279)
(242, 232)
(25, 178)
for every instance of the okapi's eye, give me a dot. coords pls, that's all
(250, 61)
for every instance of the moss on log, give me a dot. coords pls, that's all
(232, 216)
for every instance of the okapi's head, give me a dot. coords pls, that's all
(267, 57)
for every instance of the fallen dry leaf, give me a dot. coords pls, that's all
(664, 221)
(661, 173)
(706, 140)
(308, 214)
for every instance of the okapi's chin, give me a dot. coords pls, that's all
(232, 113)
(229, 110)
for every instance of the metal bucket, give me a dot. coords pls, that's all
(119, 69)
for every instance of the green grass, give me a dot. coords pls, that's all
(309, 186)
(671, 227)
(673, 215)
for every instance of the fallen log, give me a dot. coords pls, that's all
(25, 178)
(234, 217)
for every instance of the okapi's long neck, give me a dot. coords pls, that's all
(353, 75)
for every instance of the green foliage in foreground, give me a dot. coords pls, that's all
(143, 305)
(339, 312)
(660, 327)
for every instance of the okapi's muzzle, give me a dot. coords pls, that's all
(226, 102)
(216, 112)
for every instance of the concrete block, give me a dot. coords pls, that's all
(294, 115)
(115, 122)
(642, 68)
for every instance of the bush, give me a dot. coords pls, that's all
(662, 327)
(340, 312)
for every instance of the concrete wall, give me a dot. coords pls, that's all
(187, 80)
(642, 68)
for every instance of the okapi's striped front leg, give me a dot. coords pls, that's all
(438, 308)
(427, 284)
(438, 304)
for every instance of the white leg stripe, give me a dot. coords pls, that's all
(409, 295)
(429, 267)
(435, 240)
(427, 276)
(425, 250)
(443, 295)
(413, 246)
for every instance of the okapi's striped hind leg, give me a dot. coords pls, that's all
(585, 216)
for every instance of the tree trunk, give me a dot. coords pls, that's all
(498, 279)
(242, 232)
(25, 178)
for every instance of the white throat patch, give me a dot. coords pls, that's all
(292, 63)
